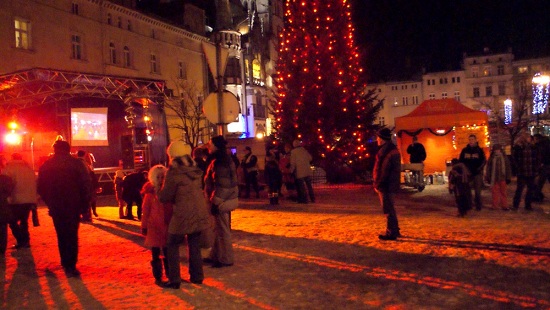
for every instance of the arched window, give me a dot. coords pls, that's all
(112, 53)
(127, 60)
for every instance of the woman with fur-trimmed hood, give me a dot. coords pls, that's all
(154, 223)
(183, 189)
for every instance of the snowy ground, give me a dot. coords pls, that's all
(317, 256)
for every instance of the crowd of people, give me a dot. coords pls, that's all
(528, 161)
(189, 201)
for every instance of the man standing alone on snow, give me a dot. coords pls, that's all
(387, 175)
(474, 158)
(65, 185)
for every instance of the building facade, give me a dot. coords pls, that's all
(486, 81)
(63, 54)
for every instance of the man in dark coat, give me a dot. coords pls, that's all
(542, 144)
(131, 187)
(6, 187)
(387, 176)
(250, 168)
(474, 158)
(417, 154)
(65, 186)
(527, 161)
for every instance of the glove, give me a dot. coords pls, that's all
(508, 181)
(144, 231)
(215, 210)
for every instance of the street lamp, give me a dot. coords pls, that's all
(541, 84)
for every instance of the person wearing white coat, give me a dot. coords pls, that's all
(300, 165)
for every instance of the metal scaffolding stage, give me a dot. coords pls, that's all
(37, 86)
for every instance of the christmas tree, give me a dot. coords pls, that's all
(321, 98)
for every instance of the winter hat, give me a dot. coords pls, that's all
(178, 149)
(384, 134)
(219, 142)
(153, 174)
(296, 143)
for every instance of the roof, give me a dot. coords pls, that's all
(443, 113)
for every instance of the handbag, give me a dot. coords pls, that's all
(229, 205)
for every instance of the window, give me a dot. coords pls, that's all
(432, 96)
(112, 53)
(433, 81)
(476, 92)
(22, 34)
(74, 8)
(76, 42)
(488, 91)
(415, 100)
(501, 89)
(445, 80)
(129, 25)
(458, 79)
(487, 71)
(153, 35)
(405, 100)
(475, 71)
(444, 95)
(453, 80)
(381, 121)
(440, 80)
(500, 70)
(395, 103)
(153, 61)
(457, 95)
(119, 23)
(182, 70)
(126, 57)
(109, 19)
(523, 69)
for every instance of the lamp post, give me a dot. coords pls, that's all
(541, 85)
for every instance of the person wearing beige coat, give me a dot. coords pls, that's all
(23, 198)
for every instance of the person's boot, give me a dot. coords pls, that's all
(165, 261)
(156, 266)
(121, 212)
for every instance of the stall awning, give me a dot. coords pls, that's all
(440, 113)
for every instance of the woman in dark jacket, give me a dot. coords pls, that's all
(183, 189)
(221, 187)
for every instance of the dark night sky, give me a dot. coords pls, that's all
(399, 37)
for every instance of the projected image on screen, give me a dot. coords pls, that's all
(89, 127)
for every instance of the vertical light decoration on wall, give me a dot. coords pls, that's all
(541, 87)
(507, 111)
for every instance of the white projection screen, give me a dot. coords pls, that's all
(89, 127)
